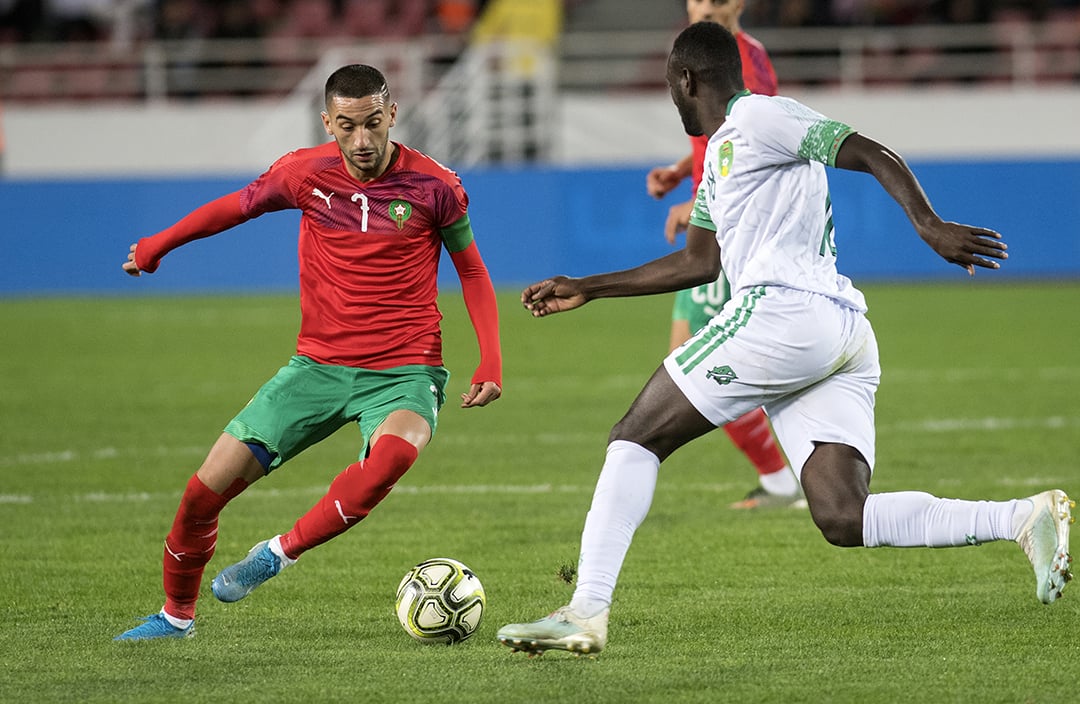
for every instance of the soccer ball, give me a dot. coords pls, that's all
(440, 601)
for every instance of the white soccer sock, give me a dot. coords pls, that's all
(180, 623)
(781, 482)
(622, 498)
(275, 547)
(916, 519)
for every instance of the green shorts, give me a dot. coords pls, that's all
(699, 304)
(307, 402)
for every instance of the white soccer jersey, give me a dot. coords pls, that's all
(765, 194)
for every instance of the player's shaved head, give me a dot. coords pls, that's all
(710, 53)
(356, 81)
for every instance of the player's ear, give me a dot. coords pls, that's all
(688, 81)
(393, 113)
(326, 123)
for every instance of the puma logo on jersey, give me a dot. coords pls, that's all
(179, 556)
(341, 512)
(317, 192)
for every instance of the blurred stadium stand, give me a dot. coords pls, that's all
(195, 49)
(475, 78)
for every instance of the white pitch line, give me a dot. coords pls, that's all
(142, 497)
(955, 425)
(968, 374)
(926, 425)
(98, 454)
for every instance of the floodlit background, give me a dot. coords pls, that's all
(119, 117)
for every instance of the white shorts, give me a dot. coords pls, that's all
(810, 361)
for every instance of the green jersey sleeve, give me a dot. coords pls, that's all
(823, 140)
(700, 214)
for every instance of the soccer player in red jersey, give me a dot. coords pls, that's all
(376, 215)
(777, 487)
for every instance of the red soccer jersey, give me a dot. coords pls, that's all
(758, 77)
(369, 253)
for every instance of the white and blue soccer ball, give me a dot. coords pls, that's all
(440, 601)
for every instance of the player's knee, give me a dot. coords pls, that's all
(841, 528)
(618, 432)
(364, 484)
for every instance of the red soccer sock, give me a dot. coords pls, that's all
(190, 544)
(351, 495)
(752, 434)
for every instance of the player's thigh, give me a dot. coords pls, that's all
(303, 404)
(408, 397)
(838, 409)
(228, 460)
(407, 425)
(661, 419)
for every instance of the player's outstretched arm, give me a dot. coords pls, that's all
(963, 245)
(479, 294)
(697, 263)
(209, 219)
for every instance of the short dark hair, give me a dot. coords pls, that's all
(711, 53)
(356, 81)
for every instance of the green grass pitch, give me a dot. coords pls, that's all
(108, 405)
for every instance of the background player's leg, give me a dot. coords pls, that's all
(778, 486)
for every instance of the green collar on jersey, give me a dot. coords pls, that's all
(731, 103)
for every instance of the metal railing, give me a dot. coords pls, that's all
(1016, 52)
(856, 58)
(493, 106)
(475, 105)
(160, 71)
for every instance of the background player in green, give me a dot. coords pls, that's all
(777, 486)
(794, 339)
(376, 216)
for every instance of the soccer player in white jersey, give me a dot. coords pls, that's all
(793, 338)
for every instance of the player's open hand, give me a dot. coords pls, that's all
(481, 394)
(130, 266)
(678, 220)
(965, 245)
(661, 180)
(554, 295)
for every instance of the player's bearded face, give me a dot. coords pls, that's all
(361, 128)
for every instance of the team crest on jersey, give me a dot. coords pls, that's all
(727, 155)
(400, 211)
(723, 375)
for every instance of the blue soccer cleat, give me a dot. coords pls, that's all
(155, 627)
(238, 580)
